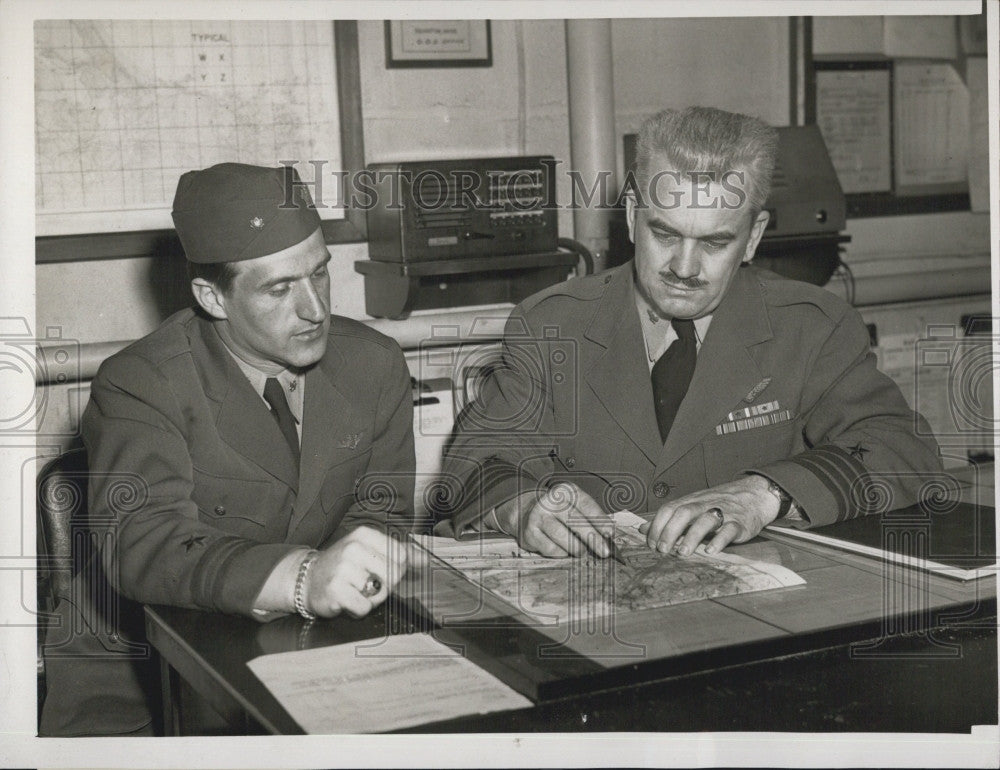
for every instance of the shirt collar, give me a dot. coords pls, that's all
(292, 382)
(657, 333)
(289, 380)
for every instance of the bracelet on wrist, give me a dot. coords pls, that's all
(300, 582)
(493, 521)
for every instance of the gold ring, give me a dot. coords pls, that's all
(719, 519)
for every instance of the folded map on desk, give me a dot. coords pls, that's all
(563, 590)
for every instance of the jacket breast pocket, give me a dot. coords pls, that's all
(727, 456)
(345, 479)
(221, 499)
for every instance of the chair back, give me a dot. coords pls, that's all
(62, 510)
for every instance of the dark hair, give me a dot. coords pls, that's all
(706, 139)
(219, 274)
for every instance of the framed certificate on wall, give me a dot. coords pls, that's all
(438, 43)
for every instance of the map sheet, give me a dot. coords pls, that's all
(124, 107)
(563, 590)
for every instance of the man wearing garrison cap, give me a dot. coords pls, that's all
(254, 424)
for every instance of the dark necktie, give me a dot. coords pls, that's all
(274, 394)
(672, 374)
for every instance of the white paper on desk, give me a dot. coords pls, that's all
(380, 684)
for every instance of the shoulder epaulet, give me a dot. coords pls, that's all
(587, 287)
(169, 339)
(348, 327)
(782, 292)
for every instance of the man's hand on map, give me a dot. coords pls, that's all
(565, 521)
(746, 506)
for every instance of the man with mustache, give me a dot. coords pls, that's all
(686, 385)
(250, 426)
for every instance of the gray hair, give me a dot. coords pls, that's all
(704, 139)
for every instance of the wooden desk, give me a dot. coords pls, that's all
(860, 647)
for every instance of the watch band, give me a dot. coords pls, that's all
(784, 499)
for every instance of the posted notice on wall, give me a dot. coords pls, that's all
(932, 129)
(852, 110)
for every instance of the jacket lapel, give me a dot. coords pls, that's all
(243, 419)
(629, 399)
(725, 371)
(326, 412)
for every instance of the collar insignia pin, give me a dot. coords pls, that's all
(257, 223)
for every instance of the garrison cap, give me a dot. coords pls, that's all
(231, 212)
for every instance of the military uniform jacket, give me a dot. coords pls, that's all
(197, 496)
(785, 385)
(222, 502)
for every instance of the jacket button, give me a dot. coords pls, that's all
(220, 510)
(660, 489)
(570, 462)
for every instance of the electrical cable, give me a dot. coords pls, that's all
(845, 273)
(588, 258)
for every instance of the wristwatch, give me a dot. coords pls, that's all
(784, 499)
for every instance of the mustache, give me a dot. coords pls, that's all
(669, 276)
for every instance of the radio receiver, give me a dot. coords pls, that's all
(455, 209)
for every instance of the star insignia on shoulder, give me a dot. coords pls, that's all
(192, 540)
(858, 452)
(257, 223)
